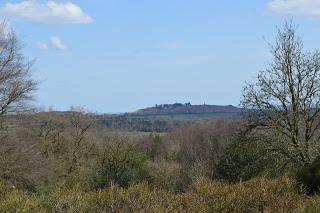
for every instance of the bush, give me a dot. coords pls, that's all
(166, 175)
(121, 162)
(201, 147)
(244, 160)
(312, 205)
(252, 196)
(203, 196)
(309, 177)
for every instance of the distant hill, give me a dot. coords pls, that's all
(178, 108)
(160, 118)
(164, 117)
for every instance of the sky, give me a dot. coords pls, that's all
(121, 55)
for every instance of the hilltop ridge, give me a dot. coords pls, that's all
(187, 108)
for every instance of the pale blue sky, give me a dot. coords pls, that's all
(121, 55)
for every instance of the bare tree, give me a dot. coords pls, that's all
(50, 128)
(81, 122)
(16, 84)
(286, 99)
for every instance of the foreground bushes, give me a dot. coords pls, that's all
(203, 196)
(174, 172)
(309, 176)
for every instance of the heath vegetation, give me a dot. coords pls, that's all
(266, 160)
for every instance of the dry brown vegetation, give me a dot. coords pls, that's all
(181, 171)
(202, 196)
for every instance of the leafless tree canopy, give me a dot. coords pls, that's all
(16, 84)
(286, 97)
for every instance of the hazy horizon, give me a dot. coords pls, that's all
(51, 108)
(120, 56)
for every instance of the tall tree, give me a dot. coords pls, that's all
(285, 99)
(16, 83)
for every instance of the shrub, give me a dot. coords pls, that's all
(309, 177)
(203, 196)
(165, 175)
(201, 147)
(121, 162)
(244, 160)
(312, 205)
(252, 196)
